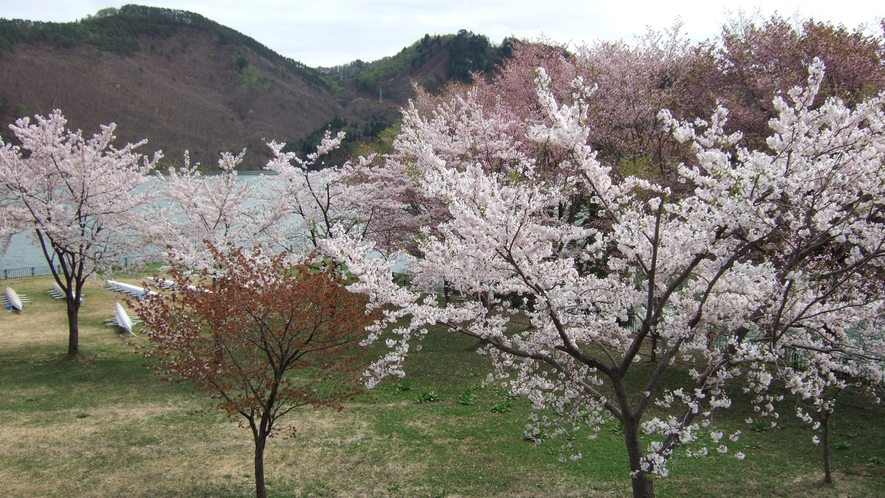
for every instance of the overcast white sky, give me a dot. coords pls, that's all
(330, 32)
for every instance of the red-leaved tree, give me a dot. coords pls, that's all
(269, 338)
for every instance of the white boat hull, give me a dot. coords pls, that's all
(13, 300)
(56, 292)
(123, 320)
(129, 289)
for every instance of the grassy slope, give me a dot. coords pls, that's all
(105, 426)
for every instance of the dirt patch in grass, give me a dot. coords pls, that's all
(118, 450)
(37, 325)
(339, 452)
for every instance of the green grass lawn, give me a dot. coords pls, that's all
(103, 425)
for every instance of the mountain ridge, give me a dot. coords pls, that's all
(185, 82)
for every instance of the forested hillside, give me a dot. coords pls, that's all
(185, 82)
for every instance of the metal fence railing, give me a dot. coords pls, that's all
(31, 271)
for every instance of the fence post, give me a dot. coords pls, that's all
(33, 271)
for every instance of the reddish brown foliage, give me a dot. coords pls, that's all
(267, 339)
(763, 58)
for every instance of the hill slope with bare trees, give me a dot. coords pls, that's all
(185, 82)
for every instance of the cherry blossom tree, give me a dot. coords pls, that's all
(632, 81)
(761, 58)
(288, 210)
(355, 196)
(272, 336)
(819, 369)
(831, 267)
(755, 60)
(197, 211)
(77, 195)
(758, 253)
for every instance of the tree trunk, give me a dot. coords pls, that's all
(824, 417)
(260, 441)
(654, 348)
(73, 325)
(643, 487)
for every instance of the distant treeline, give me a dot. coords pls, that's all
(468, 53)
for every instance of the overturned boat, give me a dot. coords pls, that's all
(121, 319)
(13, 301)
(55, 292)
(128, 289)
